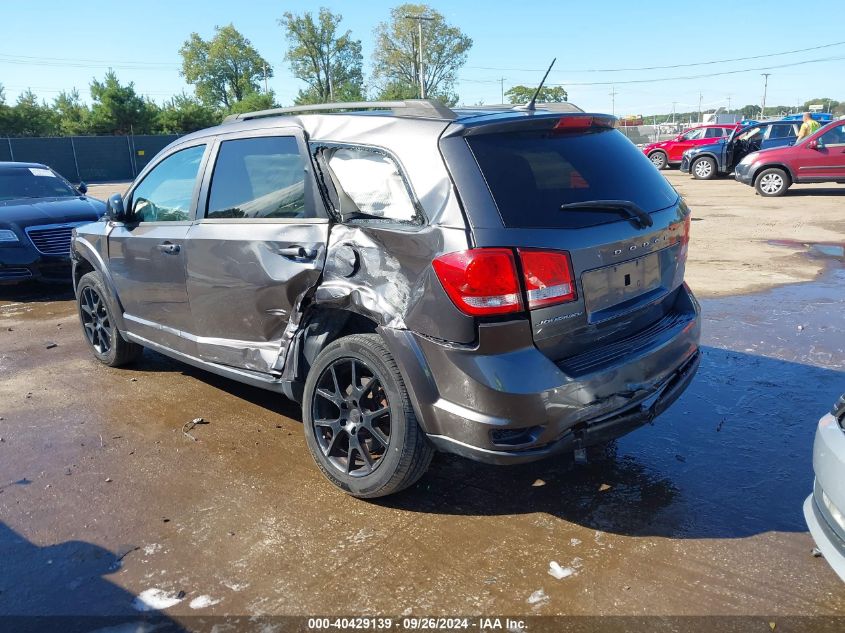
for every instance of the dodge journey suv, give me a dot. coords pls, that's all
(501, 284)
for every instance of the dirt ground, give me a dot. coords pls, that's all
(732, 228)
(103, 498)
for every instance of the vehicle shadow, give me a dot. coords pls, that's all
(815, 191)
(730, 459)
(63, 587)
(32, 291)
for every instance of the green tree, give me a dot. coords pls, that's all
(29, 117)
(71, 114)
(183, 114)
(548, 94)
(5, 114)
(328, 61)
(252, 102)
(224, 69)
(397, 58)
(118, 109)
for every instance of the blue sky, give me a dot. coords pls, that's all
(514, 40)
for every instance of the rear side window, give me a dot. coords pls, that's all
(531, 174)
(782, 131)
(714, 132)
(367, 184)
(258, 178)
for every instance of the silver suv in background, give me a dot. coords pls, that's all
(504, 284)
(824, 510)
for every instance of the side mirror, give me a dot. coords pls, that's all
(114, 208)
(814, 144)
(82, 188)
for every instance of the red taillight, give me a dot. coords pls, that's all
(547, 276)
(484, 281)
(481, 281)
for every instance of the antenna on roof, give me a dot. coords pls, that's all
(530, 106)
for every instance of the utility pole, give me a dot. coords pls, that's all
(502, 83)
(265, 79)
(700, 120)
(729, 104)
(419, 19)
(613, 94)
(765, 89)
(673, 112)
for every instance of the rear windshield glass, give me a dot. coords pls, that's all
(531, 174)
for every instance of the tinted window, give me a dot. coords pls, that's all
(693, 135)
(782, 131)
(834, 137)
(36, 182)
(370, 183)
(165, 194)
(714, 132)
(258, 178)
(532, 174)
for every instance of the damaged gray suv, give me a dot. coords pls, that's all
(503, 284)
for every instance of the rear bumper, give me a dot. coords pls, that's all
(503, 401)
(23, 263)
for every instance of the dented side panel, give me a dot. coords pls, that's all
(246, 293)
(384, 273)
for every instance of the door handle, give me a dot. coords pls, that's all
(297, 252)
(167, 247)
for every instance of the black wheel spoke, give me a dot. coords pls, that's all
(331, 397)
(354, 377)
(350, 417)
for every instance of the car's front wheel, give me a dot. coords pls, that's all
(658, 159)
(772, 182)
(358, 420)
(703, 168)
(98, 325)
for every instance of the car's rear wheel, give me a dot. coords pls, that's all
(358, 420)
(772, 182)
(703, 168)
(98, 325)
(658, 159)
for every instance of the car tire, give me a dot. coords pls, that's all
(658, 159)
(98, 326)
(703, 168)
(772, 182)
(358, 420)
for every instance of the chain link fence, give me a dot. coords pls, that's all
(88, 158)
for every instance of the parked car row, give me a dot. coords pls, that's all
(762, 155)
(38, 212)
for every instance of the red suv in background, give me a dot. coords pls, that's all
(818, 158)
(670, 152)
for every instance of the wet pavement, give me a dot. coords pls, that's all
(106, 506)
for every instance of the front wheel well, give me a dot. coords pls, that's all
(81, 267)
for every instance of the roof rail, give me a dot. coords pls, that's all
(413, 108)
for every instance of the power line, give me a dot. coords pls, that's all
(619, 70)
(81, 62)
(701, 76)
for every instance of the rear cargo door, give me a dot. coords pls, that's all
(626, 268)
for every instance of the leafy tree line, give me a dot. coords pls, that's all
(229, 75)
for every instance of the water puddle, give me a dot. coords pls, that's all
(825, 250)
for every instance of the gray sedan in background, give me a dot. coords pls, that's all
(824, 510)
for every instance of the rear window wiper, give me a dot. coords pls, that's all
(625, 207)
